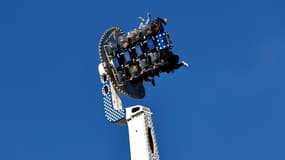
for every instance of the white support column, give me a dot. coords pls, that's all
(143, 144)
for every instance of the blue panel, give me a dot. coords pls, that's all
(162, 41)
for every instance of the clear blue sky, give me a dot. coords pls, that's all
(228, 106)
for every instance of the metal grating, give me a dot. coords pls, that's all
(111, 114)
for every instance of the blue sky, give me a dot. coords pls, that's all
(228, 105)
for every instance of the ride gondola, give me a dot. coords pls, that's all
(139, 56)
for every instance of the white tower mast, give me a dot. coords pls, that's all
(143, 144)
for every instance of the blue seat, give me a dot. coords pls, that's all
(151, 44)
